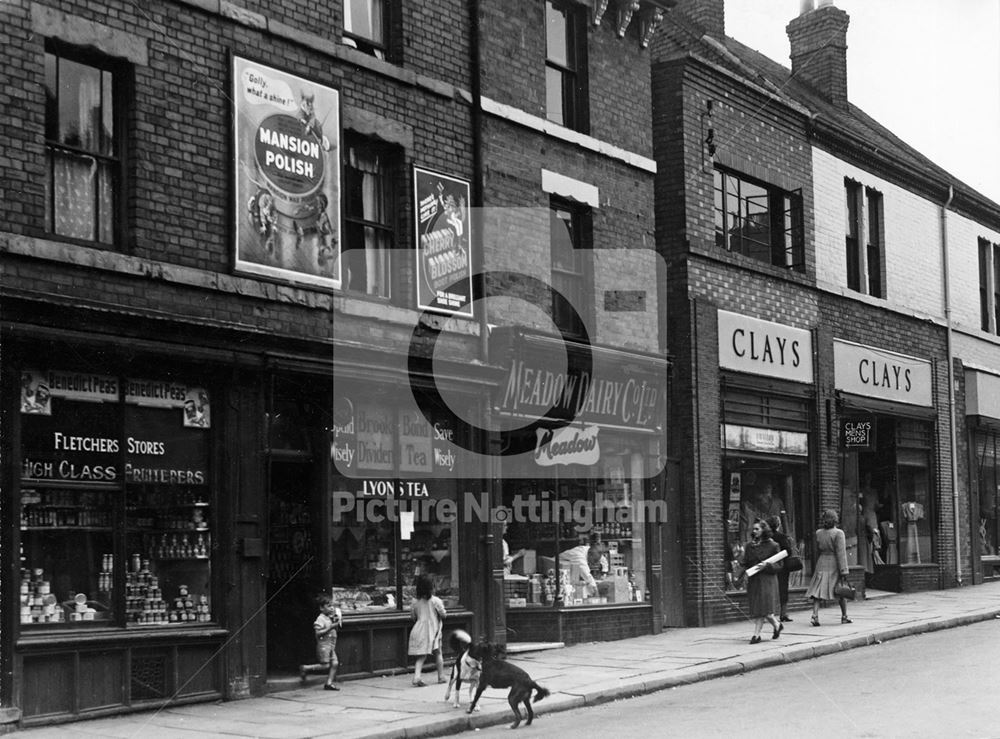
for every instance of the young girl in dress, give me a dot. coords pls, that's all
(425, 637)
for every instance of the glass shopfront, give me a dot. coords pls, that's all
(397, 503)
(886, 436)
(986, 450)
(887, 489)
(576, 541)
(116, 506)
(766, 426)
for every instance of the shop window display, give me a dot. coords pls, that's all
(585, 546)
(890, 484)
(757, 489)
(376, 563)
(93, 457)
(987, 451)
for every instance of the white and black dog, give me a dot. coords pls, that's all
(467, 667)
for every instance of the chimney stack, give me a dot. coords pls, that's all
(709, 14)
(819, 49)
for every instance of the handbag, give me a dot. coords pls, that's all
(793, 563)
(844, 589)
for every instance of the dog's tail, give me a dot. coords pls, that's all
(459, 640)
(540, 692)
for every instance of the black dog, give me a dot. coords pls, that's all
(498, 673)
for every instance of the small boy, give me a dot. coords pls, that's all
(329, 620)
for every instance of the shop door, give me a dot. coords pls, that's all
(294, 571)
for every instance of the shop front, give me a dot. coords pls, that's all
(982, 408)
(110, 564)
(582, 488)
(886, 426)
(768, 397)
(405, 499)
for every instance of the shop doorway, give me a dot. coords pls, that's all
(294, 571)
(890, 485)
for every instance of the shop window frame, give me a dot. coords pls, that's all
(120, 529)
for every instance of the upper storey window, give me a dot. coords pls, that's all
(83, 147)
(759, 221)
(565, 64)
(365, 26)
(864, 240)
(989, 286)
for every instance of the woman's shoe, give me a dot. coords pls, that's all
(777, 631)
(814, 620)
(331, 686)
(419, 683)
(845, 620)
(785, 618)
(755, 639)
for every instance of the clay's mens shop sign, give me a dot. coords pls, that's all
(764, 348)
(877, 373)
(287, 134)
(444, 239)
(38, 388)
(857, 432)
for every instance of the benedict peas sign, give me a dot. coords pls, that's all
(287, 133)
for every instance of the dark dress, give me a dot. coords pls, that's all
(783, 544)
(762, 588)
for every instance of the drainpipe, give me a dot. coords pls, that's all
(951, 383)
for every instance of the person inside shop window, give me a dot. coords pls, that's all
(577, 557)
(597, 560)
(508, 558)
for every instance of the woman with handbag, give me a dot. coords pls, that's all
(791, 564)
(762, 587)
(831, 567)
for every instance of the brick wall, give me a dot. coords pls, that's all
(912, 237)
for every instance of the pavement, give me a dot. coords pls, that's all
(578, 675)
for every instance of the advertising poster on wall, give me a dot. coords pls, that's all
(287, 180)
(444, 243)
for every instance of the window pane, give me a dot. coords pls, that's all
(563, 239)
(51, 97)
(79, 105)
(364, 18)
(366, 260)
(554, 96)
(556, 26)
(996, 288)
(107, 147)
(984, 284)
(73, 186)
(364, 185)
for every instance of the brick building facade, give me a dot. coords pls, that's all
(212, 208)
(759, 168)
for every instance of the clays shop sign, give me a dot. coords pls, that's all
(444, 275)
(287, 133)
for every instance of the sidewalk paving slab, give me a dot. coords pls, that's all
(583, 674)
